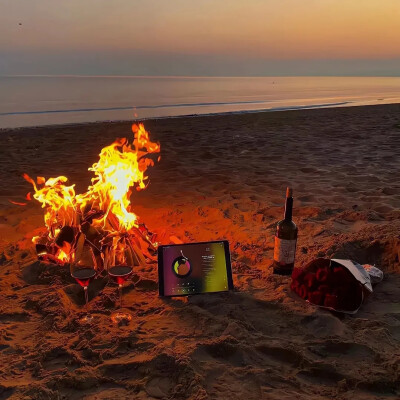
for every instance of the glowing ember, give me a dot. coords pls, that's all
(101, 220)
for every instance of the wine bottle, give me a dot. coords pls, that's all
(285, 240)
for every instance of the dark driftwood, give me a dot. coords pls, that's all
(139, 248)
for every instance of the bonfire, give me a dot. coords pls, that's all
(101, 221)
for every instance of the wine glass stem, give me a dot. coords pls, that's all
(120, 295)
(85, 288)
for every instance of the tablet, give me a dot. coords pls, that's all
(194, 268)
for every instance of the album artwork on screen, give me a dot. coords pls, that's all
(194, 268)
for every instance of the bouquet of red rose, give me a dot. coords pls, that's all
(339, 285)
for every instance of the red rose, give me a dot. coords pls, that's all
(302, 291)
(316, 298)
(322, 274)
(310, 281)
(324, 289)
(341, 276)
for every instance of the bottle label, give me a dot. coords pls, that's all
(284, 250)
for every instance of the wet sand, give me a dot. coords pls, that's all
(219, 177)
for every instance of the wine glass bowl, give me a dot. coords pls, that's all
(120, 273)
(84, 275)
(84, 271)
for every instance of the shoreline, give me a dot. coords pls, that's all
(346, 104)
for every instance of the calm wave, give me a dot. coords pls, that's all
(45, 100)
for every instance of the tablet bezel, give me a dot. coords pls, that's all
(160, 266)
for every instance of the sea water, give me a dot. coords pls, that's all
(48, 100)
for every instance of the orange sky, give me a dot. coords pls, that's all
(243, 37)
(278, 29)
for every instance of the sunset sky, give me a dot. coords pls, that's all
(205, 37)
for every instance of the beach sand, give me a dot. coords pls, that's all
(220, 177)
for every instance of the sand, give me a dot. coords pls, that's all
(219, 177)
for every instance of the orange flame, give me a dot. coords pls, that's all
(64, 253)
(120, 168)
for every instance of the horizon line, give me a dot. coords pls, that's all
(191, 76)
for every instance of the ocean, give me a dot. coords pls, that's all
(49, 100)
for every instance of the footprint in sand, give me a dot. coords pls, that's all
(324, 374)
(348, 350)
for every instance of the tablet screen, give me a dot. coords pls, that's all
(194, 268)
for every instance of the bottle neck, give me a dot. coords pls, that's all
(288, 209)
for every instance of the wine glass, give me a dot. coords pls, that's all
(119, 272)
(84, 271)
